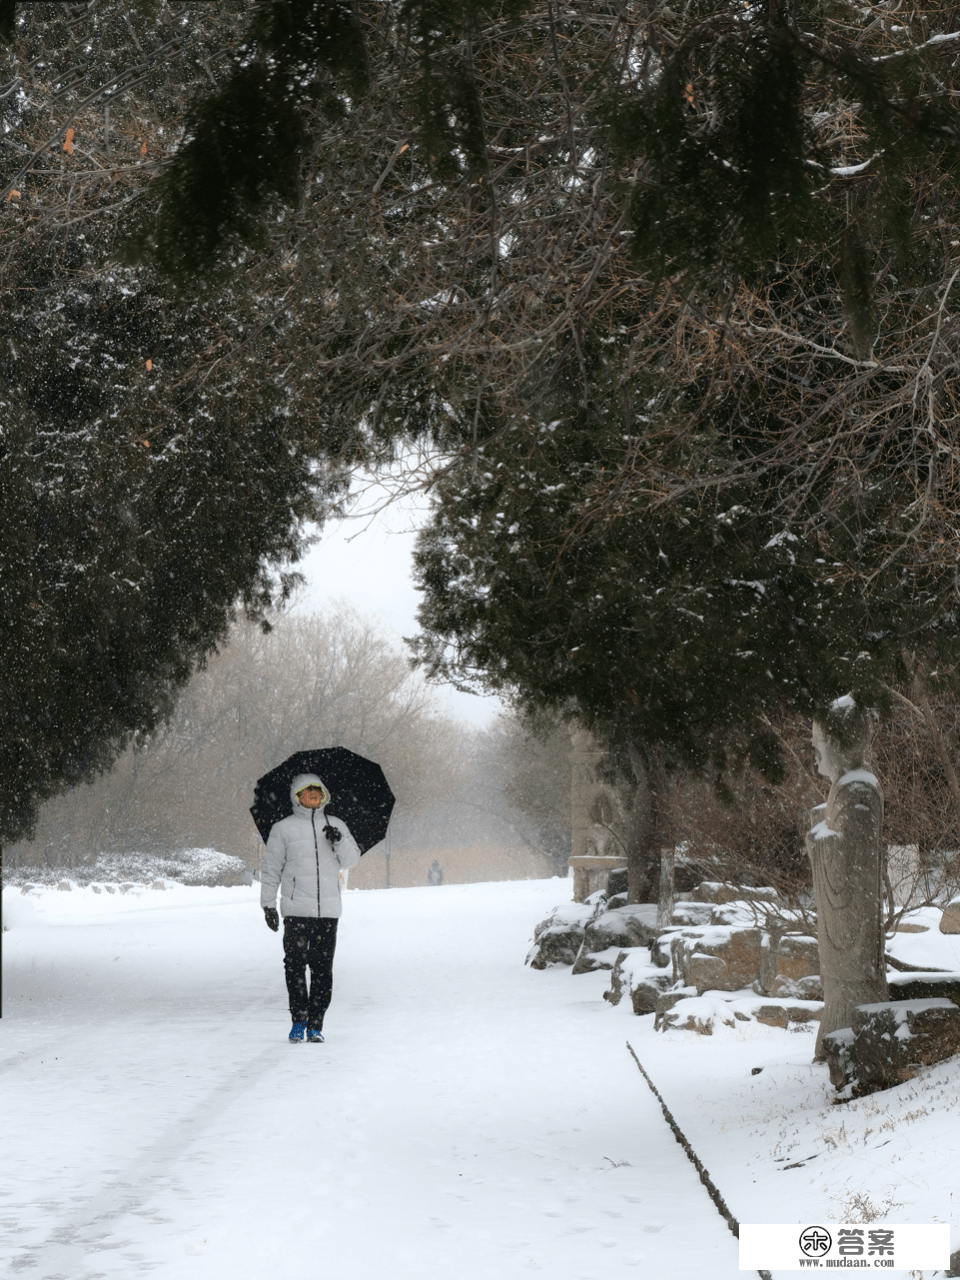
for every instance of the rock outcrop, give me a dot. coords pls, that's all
(950, 920)
(716, 891)
(699, 1014)
(557, 940)
(925, 986)
(622, 928)
(634, 978)
(889, 1041)
(718, 958)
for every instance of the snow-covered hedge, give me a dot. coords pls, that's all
(185, 866)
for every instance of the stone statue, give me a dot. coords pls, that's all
(595, 849)
(846, 854)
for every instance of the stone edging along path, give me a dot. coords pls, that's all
(713, 1191)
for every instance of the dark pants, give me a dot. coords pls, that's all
(309, 942)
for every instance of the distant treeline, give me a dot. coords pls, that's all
(313, 681)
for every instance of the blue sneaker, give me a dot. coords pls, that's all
(315, 1036)
(297, 1030)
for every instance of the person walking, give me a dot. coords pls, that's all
(304, 857)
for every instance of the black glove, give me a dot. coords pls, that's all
(271, 917)
(333, 834)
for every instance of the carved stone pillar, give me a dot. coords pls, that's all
(846, 855)
(593, 849)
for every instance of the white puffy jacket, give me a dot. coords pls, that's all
(302, 863)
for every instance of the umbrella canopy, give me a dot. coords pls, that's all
(359, 793)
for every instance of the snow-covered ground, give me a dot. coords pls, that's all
(466, 1117)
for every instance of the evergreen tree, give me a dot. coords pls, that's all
(136, 518)
(676, 628)
(778, 132)
(736, 116)
(457, 292)
(156, 471)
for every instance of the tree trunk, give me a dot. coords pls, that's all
(643, 838)
(941, 748)
(921, 707)
(666, 894)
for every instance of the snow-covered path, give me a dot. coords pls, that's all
(466, 1117)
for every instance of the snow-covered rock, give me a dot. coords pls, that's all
(691, 913)
(636, 978)
(807, 988)
(619, 977)
(786, 958)
(810, 987)
(780, 1013)
(700, 1014)
(573, 914)
(924, 986)
(890, 1041)
(660, 950)
(645, 990)
(950, 920)
(557, 940)
(720, 892)
(684, 1009)
(666, 1002)
(617, 882)
(624, 927)
(729, 957)
(741, 911)
(591, 961)
(797, 957)
(717, 958)
(559, 944)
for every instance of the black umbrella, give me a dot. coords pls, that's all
(359, 793)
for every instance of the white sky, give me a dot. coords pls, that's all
(366, 559)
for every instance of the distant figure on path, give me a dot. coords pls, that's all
(304, 857)
(435, 874)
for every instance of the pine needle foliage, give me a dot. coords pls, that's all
(156, 471)
(692, 273)
(245, 145)
(771, 135)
